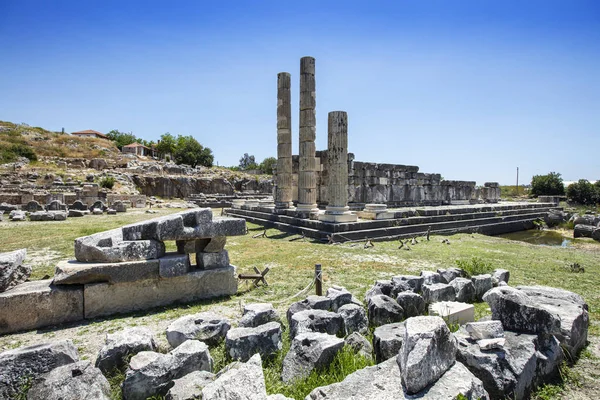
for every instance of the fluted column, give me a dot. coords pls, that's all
(307, 176)
(283, 179)
(337, 159)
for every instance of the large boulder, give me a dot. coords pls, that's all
(316, 321)
(500, 275)
(428, 351)
(152, 374)
(339, 296)
(258, 314)
(438, 292)
(387, 340)
(413, 304)
(208, 327)
(463, 289)
(355, 318)
(309, 351)
(31, 362)
(519, 312)
(190, 386)
(572, 312)
(12, 270)
(242, 343)
(120, 345)
(384, 310)
(581, 230)
(76, 381)
(239, 381)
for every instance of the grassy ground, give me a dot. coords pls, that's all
(292, 263)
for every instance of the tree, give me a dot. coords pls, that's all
(267, 165)
(189, 151)
(549, 185)
(166, 145)
(121, 138)
(248, 162)
(583, 192)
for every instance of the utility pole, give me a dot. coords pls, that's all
(517, 181)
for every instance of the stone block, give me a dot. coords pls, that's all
(103, 299)
(453, 312)
(37, 304)
(74, 272)
(110, 247)
(338, 218)
(387, 340)
(438, 292)
(242, 343)
(174, 265)
(12, 270)
(212, 260)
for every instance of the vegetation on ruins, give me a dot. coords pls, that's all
(475, 266)
(107, 182)
(550, 184)
(584, 192)
(189, 151)
(166, 145)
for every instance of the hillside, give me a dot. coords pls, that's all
(22, 140)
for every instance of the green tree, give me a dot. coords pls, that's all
(121, 138)
(166, 145)
(583, 192)
(248, 162)
(549, 185)
(267, 165)
(189, 151)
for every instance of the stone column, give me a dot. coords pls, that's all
(337, 158)
(307, 177)
(283, 180)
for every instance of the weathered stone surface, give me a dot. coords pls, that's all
(387, 340)
(106, 299)
(412, 303)
(239, 381)
(76, 381)
(399, 282)
(501, 275)
(78, 213)
(438, 292)
(447, 275)
(309, 351)
(258, 314)
(485, 330)
(571, 310)
(215, 244)
(78, 205)
(212, 260)
(380, 287)
(312, 302)
(458, 380)
(355, 318)
(119, 345)
(172, 265)
(339, 296)
(12, 270)
(110, 247)
(428, 351)
(518, 312)
(33, 206)
(464, 289)
(37, 304)
(97, 211)
(208, 327)
(151, 373)
(482, 284)
(384, 310)
(430, 277)
(278, 397)
(190, 386)
(17, 215)
(581, 230)
(316, 321)
(243, 343)
(453, 312)
(359, 344)
(74, 272)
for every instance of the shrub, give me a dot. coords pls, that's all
(107, 182)
(583, 192)
(475, 266)
(550, 185)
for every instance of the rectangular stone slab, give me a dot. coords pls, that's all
(37, 304)
(453, 312)
(75, 272)
(103, 299)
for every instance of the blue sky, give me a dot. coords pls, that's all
(468, 89)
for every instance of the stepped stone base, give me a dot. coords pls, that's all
(36, 304)
(103, 299)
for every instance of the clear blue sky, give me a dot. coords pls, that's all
(468, 89)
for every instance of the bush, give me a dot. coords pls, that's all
(549, 185)
(15, 151)
(583, 192)
(475, 266)
(107, 182)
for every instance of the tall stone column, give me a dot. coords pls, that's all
(307, 176)
(283, 180)
(337, 158)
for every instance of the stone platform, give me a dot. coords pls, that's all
(489, 219)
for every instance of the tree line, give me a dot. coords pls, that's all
(551, 184)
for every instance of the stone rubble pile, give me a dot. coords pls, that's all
(127, 269)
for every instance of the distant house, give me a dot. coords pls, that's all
(90, 133)
(139, 150)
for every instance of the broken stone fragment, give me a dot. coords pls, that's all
(316, 321)
(339, 296)
(238, 381)
(120, 345)
(309, 351)
(258, 314)
(75, 272)
(172, 265)
(464, 289)
(212, 260)
(243, 343)
(438, 292)
(387, 340)
(384, 310)
(413, 304)
(355, 318)
(482, 284)
(12, 270)
(208, 327)
(485, 330)
(190, 386)
(109, 246)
